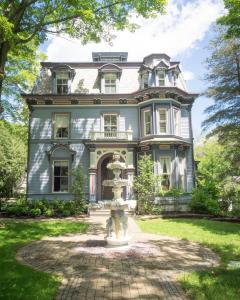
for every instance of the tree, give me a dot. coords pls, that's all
(144, 183)
(21, 71)
(23, 21)
(12, 156)
(223, 78)
(77, 187)
(232, 18)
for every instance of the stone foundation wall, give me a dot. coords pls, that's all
(169, 204)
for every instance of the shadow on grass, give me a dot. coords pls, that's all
(21, 282)
(217, 283)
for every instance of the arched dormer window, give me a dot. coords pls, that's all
(62, 78)
(109, 75)
(144, 72)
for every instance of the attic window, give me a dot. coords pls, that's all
(110, 83)
(161, 78)
(145, 81)
(62, 83)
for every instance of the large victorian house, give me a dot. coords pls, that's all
(82, 112)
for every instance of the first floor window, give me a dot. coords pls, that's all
(62, 83)
(163, 120)
(60, 176)
(110, 83)
(182, 173)
(165, 171)
(147, 122)
(110, 125)
(61, 126)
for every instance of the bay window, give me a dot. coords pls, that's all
(176, 121)
(60, 176)
(61, 126)
(163, 120)
(165, 172)
(147, 122)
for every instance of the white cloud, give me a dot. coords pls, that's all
(185, 23)
(188, 75)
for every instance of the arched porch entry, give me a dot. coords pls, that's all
(105, 192)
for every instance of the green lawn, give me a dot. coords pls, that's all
(18, 281)
(222, 237)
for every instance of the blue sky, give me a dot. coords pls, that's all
(183, 33)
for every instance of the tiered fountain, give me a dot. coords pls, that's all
(117, 223)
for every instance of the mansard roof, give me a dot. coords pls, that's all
(157, 56)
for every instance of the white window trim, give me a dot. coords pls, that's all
(178, 131)
(109, 113)
(170, 164)
(62, 75)
(164, 71)
(167, 120)
(116, 82)
(144, 123)
(54, 129)
(144, 75)
(65, 160)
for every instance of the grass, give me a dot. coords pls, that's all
(222, 237)
(21, 282)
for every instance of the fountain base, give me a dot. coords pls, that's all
(116, 242)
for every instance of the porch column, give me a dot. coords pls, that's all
(92, 184)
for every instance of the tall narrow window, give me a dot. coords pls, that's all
(163, 120)
(110, 125)
(110, 83)
(176, 121)
(61, 126)
(147, 122)
(60, 176)
(165, 171)
(145, 81)
(182, 172)
(62, 83)
(161, 78)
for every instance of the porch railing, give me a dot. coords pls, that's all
(111, 135)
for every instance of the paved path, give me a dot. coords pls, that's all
(146, 269)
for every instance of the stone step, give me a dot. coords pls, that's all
(106, 212)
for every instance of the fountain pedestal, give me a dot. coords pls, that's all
(117, 223)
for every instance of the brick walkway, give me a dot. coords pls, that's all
(146, 269)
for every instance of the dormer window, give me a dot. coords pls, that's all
(110, 83)
(62, 83)
(161, 77)
(145, 81)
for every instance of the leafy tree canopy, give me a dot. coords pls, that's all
(223, 78)
(22, 21)
(232, 18)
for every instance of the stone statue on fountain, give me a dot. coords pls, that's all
(117, 223)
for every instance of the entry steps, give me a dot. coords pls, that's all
(106, 212)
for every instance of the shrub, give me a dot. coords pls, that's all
(78, 188)
(49, 212)
(203, 202)
(66, 213)
(35, 212)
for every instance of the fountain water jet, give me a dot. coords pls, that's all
(117, 223)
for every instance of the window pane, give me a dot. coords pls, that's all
(61, 126)
(113, 120)
(57, 171)
(64, 184)
(56, 184)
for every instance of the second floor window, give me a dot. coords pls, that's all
(62, 83)
(147, 122)
(163, 120)
(176, 120)
(110, 83)
(61, 126)
(110, 124)
(161, 78)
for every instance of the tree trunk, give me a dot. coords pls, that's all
(4, 49)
